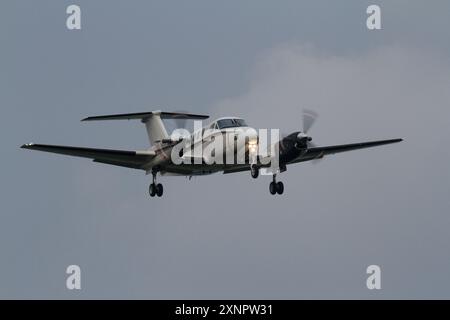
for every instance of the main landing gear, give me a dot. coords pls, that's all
(155, 188)
(276, 187)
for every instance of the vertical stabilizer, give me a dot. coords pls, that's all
(156, 130)
(153, 121)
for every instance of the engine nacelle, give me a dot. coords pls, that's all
(292, 146)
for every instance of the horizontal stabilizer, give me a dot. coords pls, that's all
(146, 115)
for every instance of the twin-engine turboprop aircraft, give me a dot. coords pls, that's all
(178, 154)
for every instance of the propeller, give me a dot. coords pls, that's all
(299, 141)
(309, 117)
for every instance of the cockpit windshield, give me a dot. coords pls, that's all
(230, 123)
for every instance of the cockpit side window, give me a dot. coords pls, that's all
(240, 122)
(226, 123)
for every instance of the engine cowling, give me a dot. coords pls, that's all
(292, 146)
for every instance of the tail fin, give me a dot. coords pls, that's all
(153, 121)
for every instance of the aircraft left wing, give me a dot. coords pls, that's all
(122, 158)
(319, 152)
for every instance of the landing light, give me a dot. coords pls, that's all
(252, 145)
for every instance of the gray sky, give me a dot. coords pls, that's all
(265, 61)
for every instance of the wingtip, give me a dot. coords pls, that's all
(26, 145)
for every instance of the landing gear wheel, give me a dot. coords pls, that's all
(254, 171)
(152, 190)
(280, 187)
(159, 189)
(273, 188)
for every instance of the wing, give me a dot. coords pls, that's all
(319, 152)
(129, 159)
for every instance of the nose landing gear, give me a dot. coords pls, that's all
(276, 187)
(254, 171)
(155, 188)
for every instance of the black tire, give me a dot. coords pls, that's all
(254, 172)
(159, 189)
(280, 187)
(152, 190)
(273, 188)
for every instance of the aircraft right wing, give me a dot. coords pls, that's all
(122, 158)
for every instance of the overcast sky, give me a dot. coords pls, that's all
(225, 236)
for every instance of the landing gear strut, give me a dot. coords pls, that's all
(155, 188)
(276, 187)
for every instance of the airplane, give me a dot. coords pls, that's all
(294, 148)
